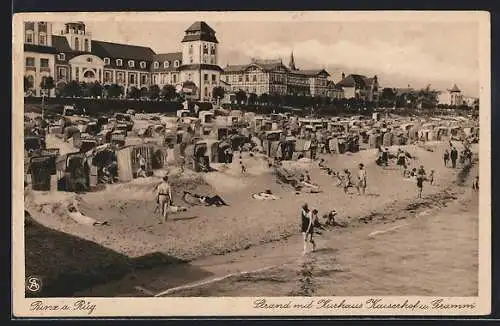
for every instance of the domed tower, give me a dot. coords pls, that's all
(78, 38)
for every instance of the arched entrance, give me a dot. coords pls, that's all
(89, 76)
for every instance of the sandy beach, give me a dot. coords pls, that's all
(133, 232)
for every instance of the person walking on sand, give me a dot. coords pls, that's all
(401, 160)
(431, 177)
(361, 179)
(307, 227)
(475, 184)
(446, 157)
(347, 180)
(420, 180)
(164, 198)
(454, 157)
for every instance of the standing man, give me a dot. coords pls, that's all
(446, 157)
(454, 157)
(420, 180)
(142, 166)
(361, 179)
(164, 198)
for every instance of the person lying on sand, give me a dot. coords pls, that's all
(265, 195)
(208, 200)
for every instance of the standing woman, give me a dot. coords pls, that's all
(307, 227)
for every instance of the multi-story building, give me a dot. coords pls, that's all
(452, 96)
(274, 78)
(39, 54)
(259, 77)
(74, 56)
(359, 87)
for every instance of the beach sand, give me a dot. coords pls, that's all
(200, 232)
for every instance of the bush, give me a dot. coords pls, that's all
(93, 106)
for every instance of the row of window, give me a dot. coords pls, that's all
(30, 62)
(30, 37)
(205, 49)
(248, 78)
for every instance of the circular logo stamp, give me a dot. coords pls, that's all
(34, 283)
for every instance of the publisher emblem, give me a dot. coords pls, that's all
(33, 284)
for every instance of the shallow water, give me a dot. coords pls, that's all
(417, 258)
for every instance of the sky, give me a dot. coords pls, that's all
(399, 53)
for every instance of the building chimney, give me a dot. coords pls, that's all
(343, 75)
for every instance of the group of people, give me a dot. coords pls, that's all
(164, 199)
(346, 180)
(310, 220)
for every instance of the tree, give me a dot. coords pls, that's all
(241, 96)
(47, 84)
(144, 92)
(154, 92)
(71, 89)
(167, 92)
(115, 90)
(264, 98)
(28, 83)
(133, 92)
(94, 89)
(218, 93)
(427, 98)
(388, 97)
(252, 98)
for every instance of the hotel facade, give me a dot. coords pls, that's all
(73, 55)
(272, 77)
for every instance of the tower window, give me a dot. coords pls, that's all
(131, 63)
(29, 37)
(212, 49)
(156, 65)
(143, 64)
(77, 44)
(166, 64)
(205, 49)
(176, 63)
(191, 49)
(61, 56)
(106, 61)
(119, 62)
(86, 45)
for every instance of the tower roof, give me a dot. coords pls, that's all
(291, 64)
(455, 88)
(199, 31)
(200, 26)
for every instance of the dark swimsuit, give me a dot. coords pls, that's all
(305, 223)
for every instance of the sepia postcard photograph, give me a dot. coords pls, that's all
(251, 164)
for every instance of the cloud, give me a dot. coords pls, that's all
(376, 56)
